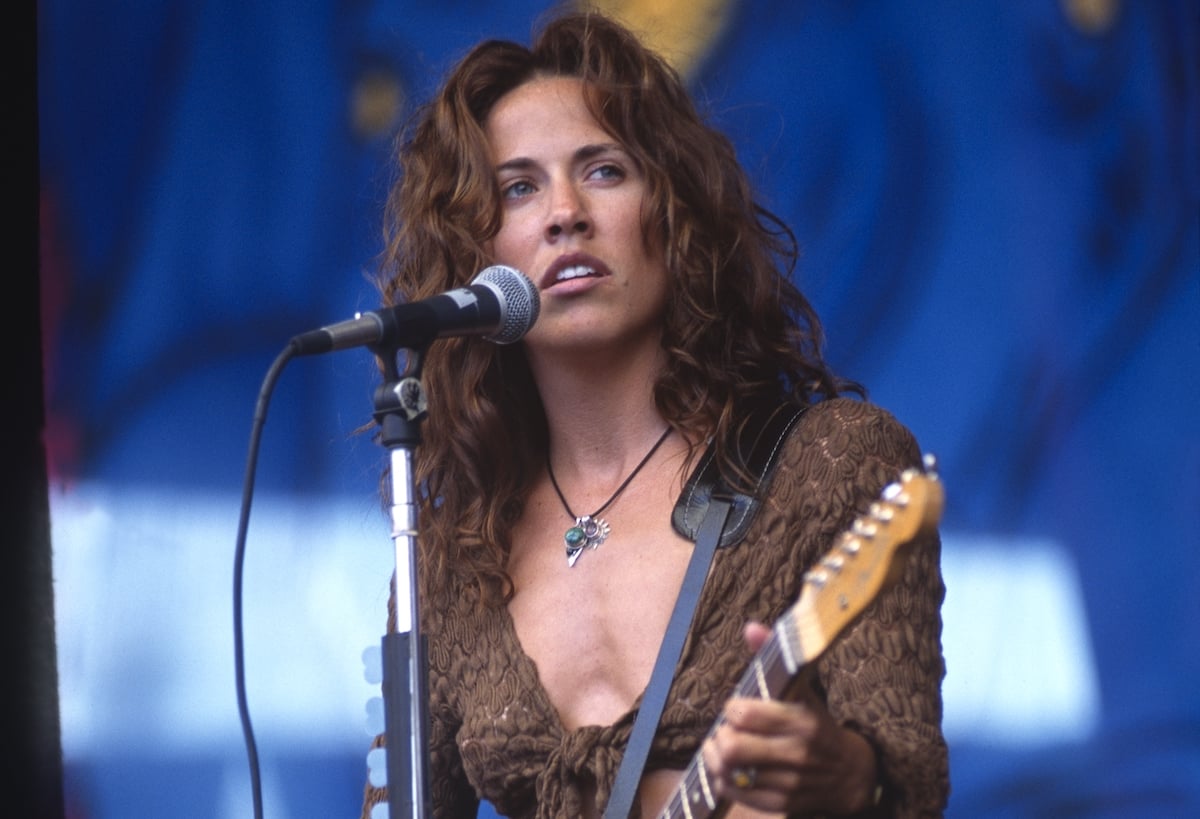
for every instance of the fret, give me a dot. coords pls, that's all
(693, 798)
(706, 793)
(777, 669)
(760, 679)
(685, 802)
(789, 643)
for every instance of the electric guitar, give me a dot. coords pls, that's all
(866, 559)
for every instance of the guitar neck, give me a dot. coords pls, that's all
(769, 676)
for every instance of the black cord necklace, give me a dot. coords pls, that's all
(591, 530)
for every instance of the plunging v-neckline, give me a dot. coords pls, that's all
(528, 669)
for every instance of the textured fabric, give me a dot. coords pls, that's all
(495, 734)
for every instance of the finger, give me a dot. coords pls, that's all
(760, 788)
(771, 717)
(755, 634)
(730, 779)
(731, 748)
(743, 778)
(784, 777)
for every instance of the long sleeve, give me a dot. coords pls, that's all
(883, 677)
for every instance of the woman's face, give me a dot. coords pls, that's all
(571, 203)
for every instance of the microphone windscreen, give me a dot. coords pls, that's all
(520, 302)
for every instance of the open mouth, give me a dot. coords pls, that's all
(577, 271)
(573, 267)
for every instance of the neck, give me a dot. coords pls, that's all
(600, 416)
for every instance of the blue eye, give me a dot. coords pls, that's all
(517, 189)
(608, 171)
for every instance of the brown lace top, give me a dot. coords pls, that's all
(495, 734)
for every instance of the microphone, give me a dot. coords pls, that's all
(501, 304)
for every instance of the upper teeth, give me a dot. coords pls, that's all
(574, 272)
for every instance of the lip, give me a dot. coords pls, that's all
(550, 277)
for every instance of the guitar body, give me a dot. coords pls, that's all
(865, 559)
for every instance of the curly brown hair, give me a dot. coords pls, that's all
(735, 328)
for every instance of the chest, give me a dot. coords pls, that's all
(593, 629)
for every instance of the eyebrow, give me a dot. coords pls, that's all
(582, 154)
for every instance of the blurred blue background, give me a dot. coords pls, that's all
(998, 208)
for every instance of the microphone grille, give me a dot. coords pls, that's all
(519, 302)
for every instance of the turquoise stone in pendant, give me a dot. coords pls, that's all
(575, 538)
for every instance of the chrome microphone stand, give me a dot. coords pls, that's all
(399, 410)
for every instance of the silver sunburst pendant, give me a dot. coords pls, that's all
(587, 533)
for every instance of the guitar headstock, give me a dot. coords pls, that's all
(864, 559)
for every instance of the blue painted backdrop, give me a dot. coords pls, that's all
(998, 206)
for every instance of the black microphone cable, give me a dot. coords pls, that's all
(260, 418)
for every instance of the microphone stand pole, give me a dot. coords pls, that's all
(399, 410)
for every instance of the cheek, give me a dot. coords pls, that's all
(513, 240)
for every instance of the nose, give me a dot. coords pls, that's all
(568, 213)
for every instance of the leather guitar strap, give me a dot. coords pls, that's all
(630, 772)
(713, 515)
